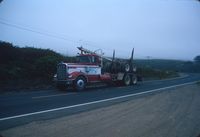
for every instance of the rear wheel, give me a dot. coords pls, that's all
(80, 83)
(127, 80)
(134, 69)
(134, 80)
(127, 67)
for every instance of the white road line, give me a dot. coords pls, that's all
(95, 102)
(55, 95)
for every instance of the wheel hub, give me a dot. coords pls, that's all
(80, 83)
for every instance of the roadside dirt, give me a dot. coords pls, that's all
(171, 113)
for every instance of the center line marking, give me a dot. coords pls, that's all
(56, 95)
(96, 102)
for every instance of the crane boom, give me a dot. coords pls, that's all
(86, 51)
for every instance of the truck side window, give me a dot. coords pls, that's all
(93, 59)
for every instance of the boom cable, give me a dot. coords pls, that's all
(80, 42)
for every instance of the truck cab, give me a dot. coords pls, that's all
(86, 69)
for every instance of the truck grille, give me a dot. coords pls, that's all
(61, 71)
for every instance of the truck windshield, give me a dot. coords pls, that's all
(83, 59)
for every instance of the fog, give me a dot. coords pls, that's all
(165, 29)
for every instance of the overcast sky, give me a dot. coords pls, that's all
(168, 29)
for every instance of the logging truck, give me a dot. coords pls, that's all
(91, 67)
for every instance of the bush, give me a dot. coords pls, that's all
(28, 63)
(46, 66)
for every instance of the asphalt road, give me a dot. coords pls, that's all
(170, 113)
(22, 108)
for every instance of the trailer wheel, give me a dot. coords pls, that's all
(80, 83)
(134, 69)
(127, 67)
(127, 80)
(134, 80)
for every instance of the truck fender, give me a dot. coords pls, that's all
(75, 75)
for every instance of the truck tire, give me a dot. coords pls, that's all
(134, 69)
(127, 67)
(80, 83)
(134, 80)
(127, 80)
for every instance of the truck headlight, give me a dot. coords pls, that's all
(55, 77)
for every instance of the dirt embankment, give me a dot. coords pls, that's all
(172, 113)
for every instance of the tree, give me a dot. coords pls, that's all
(197, 59)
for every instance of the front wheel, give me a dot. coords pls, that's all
(80, 83)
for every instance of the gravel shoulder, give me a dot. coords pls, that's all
(171, 113)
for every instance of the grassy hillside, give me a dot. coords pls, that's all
(161, 64)
(160, 68)
(169, 65)
(28, 65)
